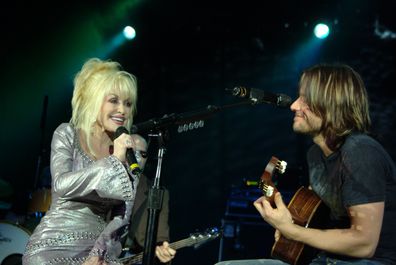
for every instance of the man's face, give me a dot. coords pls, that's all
(305, 121)
(140, 150)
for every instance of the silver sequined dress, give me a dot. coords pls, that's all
(83, 192)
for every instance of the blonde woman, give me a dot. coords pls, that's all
(89, 173)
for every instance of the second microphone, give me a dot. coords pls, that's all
(260, 96)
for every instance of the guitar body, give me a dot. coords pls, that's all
(307, 210)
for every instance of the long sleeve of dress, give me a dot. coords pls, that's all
(83, 191)
(72, 180)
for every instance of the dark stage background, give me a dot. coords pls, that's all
(184, 56)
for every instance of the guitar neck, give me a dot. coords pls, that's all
(138, 258)
(183, 243)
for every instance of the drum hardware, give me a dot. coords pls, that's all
(13, 240)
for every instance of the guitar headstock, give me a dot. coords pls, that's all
(201, 238)
(266, 184)
(281, 166)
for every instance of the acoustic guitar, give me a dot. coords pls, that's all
(195, 240)
(306, 209)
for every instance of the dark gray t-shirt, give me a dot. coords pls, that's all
(360, 172)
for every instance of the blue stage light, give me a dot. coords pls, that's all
(321, 31)
(129, 33)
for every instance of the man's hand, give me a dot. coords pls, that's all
(164, 252)
(279, 217)
(94, 261)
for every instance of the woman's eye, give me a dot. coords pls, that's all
(128, 104)
(113, 100)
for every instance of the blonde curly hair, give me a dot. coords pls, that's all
(96, 80)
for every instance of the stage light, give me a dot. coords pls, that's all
(129, 33)
(321, 31)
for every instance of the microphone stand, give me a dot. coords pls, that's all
(154, 206)
(156, 192)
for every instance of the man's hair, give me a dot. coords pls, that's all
(337, 94)
(92, 84)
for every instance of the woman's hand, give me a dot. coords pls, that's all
(164, 252)
(121, 144)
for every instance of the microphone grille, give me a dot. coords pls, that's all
(120, 130)
(240, 91)
(284, 101)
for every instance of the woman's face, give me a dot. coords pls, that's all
(116, 110)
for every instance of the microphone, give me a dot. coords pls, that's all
(259, 96)
(130, 155)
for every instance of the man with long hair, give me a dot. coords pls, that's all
(348, 169)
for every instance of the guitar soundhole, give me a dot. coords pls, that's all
(318, 221)
(307, 210)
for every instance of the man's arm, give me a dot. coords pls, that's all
(359, 240)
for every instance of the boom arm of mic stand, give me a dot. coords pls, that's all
(180, 119)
